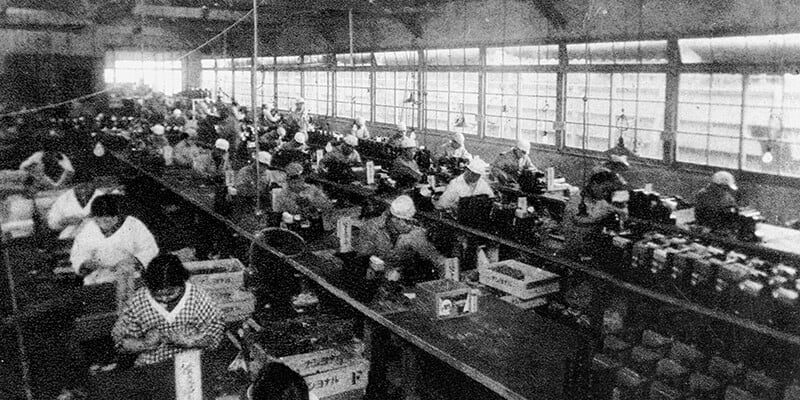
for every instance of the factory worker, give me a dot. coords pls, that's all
(716, 202)
(470, 183)
(48, 168)
(167, 316)
(70, 209)
(404, 169)
(595, 208)
(268, 116)
(111, 247)
(400, 243)
(300, 198)
(276, 381)
(344, 152)
(455, 148)
(299, 116)
(360, 129)
(246, 177)
(186, 149)
(214, 164)
(298, 142)
(396, 139)
(509, 165)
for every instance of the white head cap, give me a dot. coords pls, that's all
(408, 143)
(524, 145)
(623, 159)
(157, 129)
(177, 112)
(458, 137)
(360, 121)
(351, 140)
(222, 144)
(724, 178)
(402, 127)
(264, 157)
(478, 166)
(403, 207)
(299, 100)
(301, 137)
(192, 132)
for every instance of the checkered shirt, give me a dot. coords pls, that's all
(199, 315)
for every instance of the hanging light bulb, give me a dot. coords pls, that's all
(99, 150)
(767, 158)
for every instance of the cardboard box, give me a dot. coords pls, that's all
(330, 372)
(531, 282)
(238, 309)
(445, 299)
(525, 304)
(214, 275)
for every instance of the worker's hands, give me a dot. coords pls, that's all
(152, 339)
(89, 266)
(71, 221)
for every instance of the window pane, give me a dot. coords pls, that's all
(352, 94)
(289, 89)
(452, 101)
(641, 52)
(709, 119)
(317, 91)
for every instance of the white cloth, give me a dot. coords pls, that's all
(131, 239)
(65, 207)
(460, 152)
(458, 188)
(36, 158)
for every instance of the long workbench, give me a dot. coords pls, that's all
(515, 354)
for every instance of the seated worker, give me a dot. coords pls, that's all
(344, 151)
(167, 316)
(716, 202)
(48, 168)
(298, 142)
(271, 140)
(470, 183)
(69, 210)
(213, 165)
(456, 149)
(508, 166)
(300, 198)
(360, 129)
(299, 118)
(186, 149)
(276, 381)
(404, 169)
(245, 183)
(403, 246)
(112, 248)
(587, 214)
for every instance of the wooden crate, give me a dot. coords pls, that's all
(445, 299)
(239, 308)
(211, 275)
(332, 373)
(532, 282)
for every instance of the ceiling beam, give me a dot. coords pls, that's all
(548, 9)
(14, 16)
(200, 13)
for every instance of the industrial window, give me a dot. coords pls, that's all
(161, 71)
(355, 60)
(451, 102)
(396, 58)
(241, 86)
(709, 119)
(522, 55)
(225, 83)
(352, 94)
(289, 89)
(521, 106)
(266, 87)
(208, 77)
(395, 97)
(317, 91)
(469, 56)
(630, 105)
(637, 52)
(764, 49)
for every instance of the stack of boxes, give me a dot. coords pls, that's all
(525, 286)
(660, 368)
(223, 280)
(747, 286)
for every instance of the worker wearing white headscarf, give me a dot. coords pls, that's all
(396, 239)
(456, 149)
(246, 177)
(470, 183)
(360, 129)
(344, 152)
(404, 169)
(509, 165)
